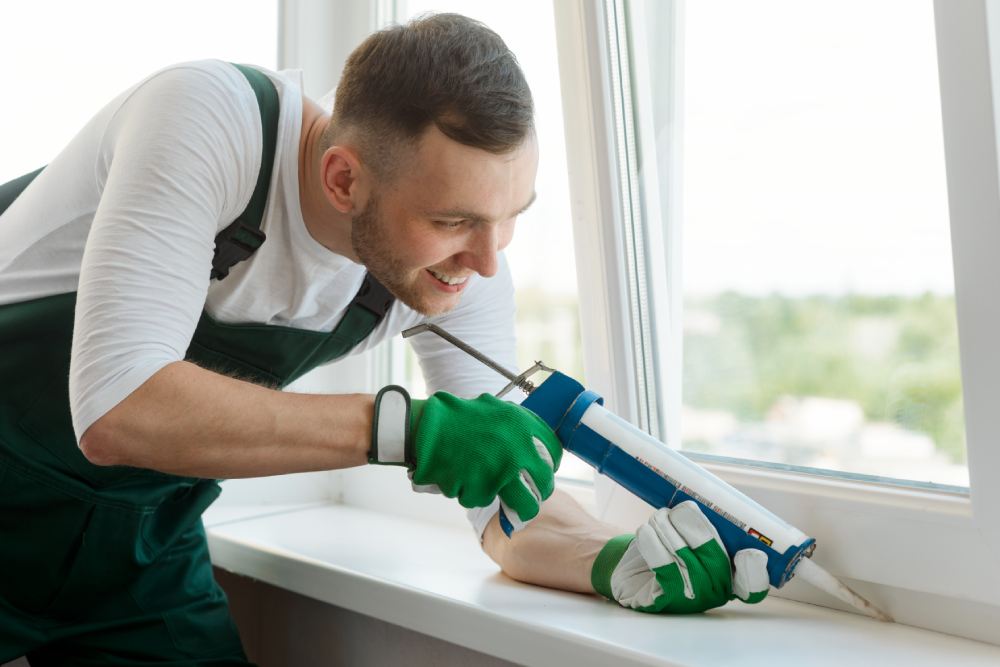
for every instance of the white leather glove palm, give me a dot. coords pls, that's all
(676, 564)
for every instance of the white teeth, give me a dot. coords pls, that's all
(448, 279)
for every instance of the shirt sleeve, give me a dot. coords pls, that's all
(179, 157)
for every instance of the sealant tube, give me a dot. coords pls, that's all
(663, 477)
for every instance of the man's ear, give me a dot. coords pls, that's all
(344, 179)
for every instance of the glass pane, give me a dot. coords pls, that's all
(819, 320)
(65, 59)
(541, 254)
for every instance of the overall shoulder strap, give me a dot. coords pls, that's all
(365, 312)
(373, 297)
(241, 239)
(10, 190)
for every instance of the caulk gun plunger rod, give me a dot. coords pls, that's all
(420, 328)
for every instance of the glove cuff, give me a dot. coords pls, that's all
(606, 562)
(391, 439)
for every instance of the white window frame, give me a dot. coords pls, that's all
(929, 557)
(316, 36)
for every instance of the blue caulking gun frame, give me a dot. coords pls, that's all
(661, 476)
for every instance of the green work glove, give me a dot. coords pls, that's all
(676, 564)
(470, 449)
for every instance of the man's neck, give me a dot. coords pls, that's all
(325, 224)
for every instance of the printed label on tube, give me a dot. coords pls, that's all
(694, 480)
(707, 503)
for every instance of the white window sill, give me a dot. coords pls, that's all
(434, 579)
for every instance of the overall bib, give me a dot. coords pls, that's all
(109, 565)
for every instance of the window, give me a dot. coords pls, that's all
(65, 60)
(818, 296)
(652, 192)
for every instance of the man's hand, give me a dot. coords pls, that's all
(470, 449)
(676, 564)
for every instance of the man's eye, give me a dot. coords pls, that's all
(449, 224)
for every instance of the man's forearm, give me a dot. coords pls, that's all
(187, 420)
(557, 549)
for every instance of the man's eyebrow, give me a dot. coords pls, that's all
(472, 216)
(531, 201)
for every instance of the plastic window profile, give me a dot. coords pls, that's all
(968, 41)
(893, 514)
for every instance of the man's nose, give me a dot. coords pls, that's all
(481, 255)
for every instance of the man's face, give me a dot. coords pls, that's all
(443, 217)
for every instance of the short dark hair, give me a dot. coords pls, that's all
(444, 69)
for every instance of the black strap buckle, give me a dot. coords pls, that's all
(234, 244)
(374, 297)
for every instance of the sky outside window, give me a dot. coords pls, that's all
(819, 325)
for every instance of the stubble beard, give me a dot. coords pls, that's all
(370, 243)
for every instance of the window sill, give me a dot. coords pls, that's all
(434, 579)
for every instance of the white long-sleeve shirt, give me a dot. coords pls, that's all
(126, 216)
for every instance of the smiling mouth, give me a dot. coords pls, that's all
(446, 279)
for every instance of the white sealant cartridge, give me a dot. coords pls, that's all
(663, 478)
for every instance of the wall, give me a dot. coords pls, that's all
(282, 628)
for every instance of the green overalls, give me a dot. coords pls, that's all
(109, 565)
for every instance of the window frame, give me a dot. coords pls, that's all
(893, 530)
(316, 36)
(968, 37)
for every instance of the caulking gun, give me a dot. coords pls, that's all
(661, 476)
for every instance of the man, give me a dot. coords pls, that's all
(191, 251)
